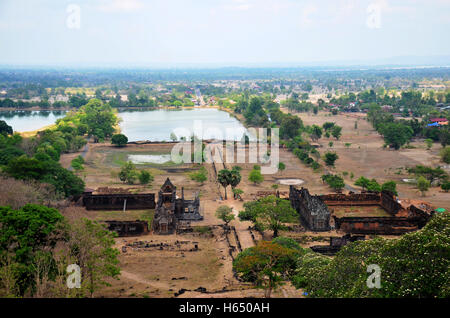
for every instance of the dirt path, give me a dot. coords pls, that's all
(140, 280)
(241, 227)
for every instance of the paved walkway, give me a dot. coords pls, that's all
(242, 230)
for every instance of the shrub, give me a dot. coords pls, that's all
(330, 158)
(390, 186)
(119, 140)
(445, 154)
(446, 186)
(145, 177)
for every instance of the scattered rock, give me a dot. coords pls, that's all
(201, 290)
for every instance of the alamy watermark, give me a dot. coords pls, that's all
(374, 15)
(234, 150)
(74, 278)
(73, 20)
(374, 279)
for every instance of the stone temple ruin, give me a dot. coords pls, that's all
(172, 212)
(107, 199)
(392, 216)
(313, 212)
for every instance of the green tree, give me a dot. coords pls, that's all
(269, 213)
(77, 163)
(362, 182)
(336, 132)
(330, 158)
(235, 179)
(396, 135)
(429, 143)
(238, 193)
(390, 186)
(334, 181)
(145, 177)
(24, 232)
(423, 185)
(92, 245)
(128, 173)
(445, 154)
(225, 178)
(225, 213)
(99, 118)
(255, 176)
(119, 140)
(46, 171)
(263, 265)
(281, 167)
(199, 176)
(374, 186)
(316, 132)
(446, 186)
(5, 129)
(328, 126)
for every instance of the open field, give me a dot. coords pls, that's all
(360, 211)
(361, 152)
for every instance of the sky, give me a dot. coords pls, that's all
(124, 33)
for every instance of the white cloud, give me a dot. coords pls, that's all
(120, 5)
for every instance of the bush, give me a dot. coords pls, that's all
(330, 158)
(128, 173)
(390, 186)
(119, 140)
(446, 186)
(334, 181)
(145, 177)
(77, 163)
(415, 265)
(199, 176)
(423, 185)
(445, 154)
(255, 176)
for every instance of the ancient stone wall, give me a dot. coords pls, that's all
(124, 229)
(376, 225)
(390, 204)
(313, 212)
(351, 199)
(336, 243)
(117, 201)
(420, 215)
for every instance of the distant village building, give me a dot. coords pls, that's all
(58, 98)
(438, 122)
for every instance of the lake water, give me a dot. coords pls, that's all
(22, 121)
(157, 125)
(154, 125)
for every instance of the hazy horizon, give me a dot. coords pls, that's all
(223, 33)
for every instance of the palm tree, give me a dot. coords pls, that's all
(225, 178)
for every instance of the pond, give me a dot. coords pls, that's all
(23, 121)
(158, 125)
(145, 159)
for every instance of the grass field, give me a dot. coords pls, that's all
(131, 215)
